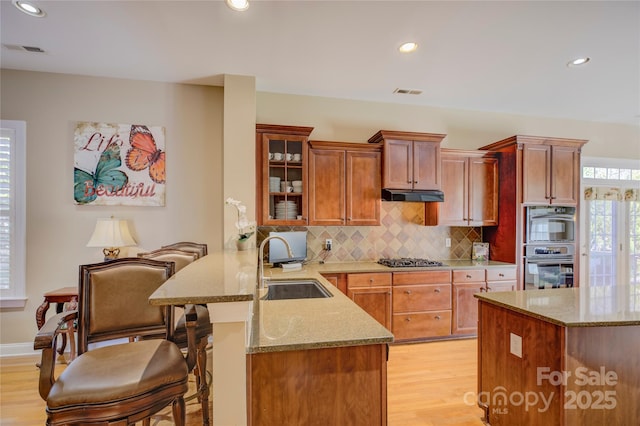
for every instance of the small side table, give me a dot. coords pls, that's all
(59, 297)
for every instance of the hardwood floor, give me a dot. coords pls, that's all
(427, 383)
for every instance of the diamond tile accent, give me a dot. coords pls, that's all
(401, 233)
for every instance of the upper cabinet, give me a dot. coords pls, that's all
(551, 174)
(281, 164)
(344, 184)
(410, 160)
(470, 186)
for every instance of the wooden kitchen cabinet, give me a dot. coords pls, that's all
(274, 204)
(551, 174)
(421, 305)
(533, 170)
(344, 184)
(372, 292)
(410, 160)
(470, 186)
(322, 386)
(338, 280)
(466, 283)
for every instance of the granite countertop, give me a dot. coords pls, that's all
(277, 325)
(280, 325)
(574, 307)
(225, 276)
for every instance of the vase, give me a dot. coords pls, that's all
(242, 245)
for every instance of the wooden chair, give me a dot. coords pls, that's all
(123, 383)
(204, 328)
(200, 248)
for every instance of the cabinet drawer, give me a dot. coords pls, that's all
(414, 298)
(369, 280)
(468, 275)
(426, 277)
(501, 285)
(501, 274)
(421, 325)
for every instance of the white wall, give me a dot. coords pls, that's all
(57, 229)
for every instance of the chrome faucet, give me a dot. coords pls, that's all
(261, 277)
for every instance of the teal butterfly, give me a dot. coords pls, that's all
(106, 178)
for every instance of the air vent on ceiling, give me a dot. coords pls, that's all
(408, 91)
(32, 49)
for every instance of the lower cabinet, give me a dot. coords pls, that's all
(421, 305)
(424, 305)
(372, 292)
(324, 386)
(338, 280)
(466, 283)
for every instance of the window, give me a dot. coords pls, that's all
(13, 163)
(612, 221)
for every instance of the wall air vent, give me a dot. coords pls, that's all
(32, 49)
(408, 91)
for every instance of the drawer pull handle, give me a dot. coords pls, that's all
(437, 290)
(437, 317)
(371, 280)
(408, 319)
(501, 275)
(407, 291)
(468, 276)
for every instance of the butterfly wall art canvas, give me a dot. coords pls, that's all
(119, 164)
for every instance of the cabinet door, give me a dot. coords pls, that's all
(281, 160)
(453, 211)
(565, 177)
(483, 192)
(536, 169)
(326, 187)
(376, 301)
(338, 280)
(426, 165)
(465, 307)
(501, 285)
(398, 173)
(363, 188)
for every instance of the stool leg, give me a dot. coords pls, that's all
(203, 388)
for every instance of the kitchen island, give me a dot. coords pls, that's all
(560, 356)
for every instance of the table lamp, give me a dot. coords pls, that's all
(110, 234)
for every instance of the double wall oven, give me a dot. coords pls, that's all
(549, 251)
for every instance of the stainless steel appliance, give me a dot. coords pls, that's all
(550, 224)
(548, 266)
(406, 262)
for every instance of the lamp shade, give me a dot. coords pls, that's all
(111, 233)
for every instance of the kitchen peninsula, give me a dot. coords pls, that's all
(560, 356)
(340, 344)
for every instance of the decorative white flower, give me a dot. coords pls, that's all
(245, 228)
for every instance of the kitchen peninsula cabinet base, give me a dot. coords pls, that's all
(327, 386)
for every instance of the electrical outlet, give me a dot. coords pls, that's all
(447, 242)
(328, 243)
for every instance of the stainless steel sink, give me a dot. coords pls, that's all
(296, 289)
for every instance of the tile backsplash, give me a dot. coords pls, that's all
(401, 234)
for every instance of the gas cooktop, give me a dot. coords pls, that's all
(405, 262)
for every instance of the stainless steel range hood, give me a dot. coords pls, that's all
(416, 196)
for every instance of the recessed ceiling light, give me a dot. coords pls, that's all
(408, 47)
(239, 5)
(29, 8)
(578, 61)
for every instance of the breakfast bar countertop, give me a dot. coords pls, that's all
(574, 307)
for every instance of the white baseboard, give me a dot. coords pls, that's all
(17, 349)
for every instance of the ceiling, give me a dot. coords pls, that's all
(503, 56)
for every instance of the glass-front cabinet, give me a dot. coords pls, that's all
(282, 197)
